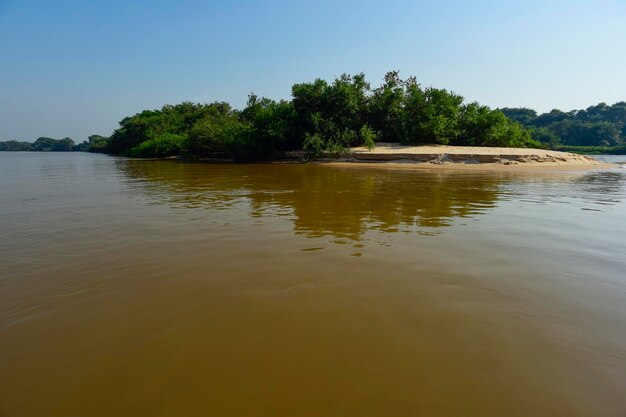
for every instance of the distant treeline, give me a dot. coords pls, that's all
(597, 126)
(321, 117)
(95, 143)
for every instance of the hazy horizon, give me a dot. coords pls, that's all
(71, 69)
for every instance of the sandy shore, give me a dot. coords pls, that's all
(464, 157)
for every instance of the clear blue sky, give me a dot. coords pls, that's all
(72, 68)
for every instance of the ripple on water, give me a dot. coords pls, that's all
(168, 288)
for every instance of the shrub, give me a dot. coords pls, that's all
(368, 137)
(166, 144)
(313, 145)
(221, 134)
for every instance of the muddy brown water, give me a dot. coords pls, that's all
(158, 288)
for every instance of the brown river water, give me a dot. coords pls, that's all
(159, 288)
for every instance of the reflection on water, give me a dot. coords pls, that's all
(153, 288)
(346, 202)
(321, 200)
(601, 187)
(592, 189)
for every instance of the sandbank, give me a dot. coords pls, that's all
(393, 155)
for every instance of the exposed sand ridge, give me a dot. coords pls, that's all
(465, 157)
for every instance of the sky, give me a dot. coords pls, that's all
(75, 68)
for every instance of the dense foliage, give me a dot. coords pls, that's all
(330, 117)
(95, 143)
(42, 144)
(321, 117)
(14, 145)
(596, 126)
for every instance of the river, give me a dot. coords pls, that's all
(161, 288)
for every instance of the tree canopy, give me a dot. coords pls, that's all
(600, 125)
(41, 144)
(330, 117)
(321, 117)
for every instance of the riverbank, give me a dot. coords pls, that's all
(462, 157)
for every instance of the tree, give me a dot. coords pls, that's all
(43, 144)
(63, 145)
(271, 125)
(221, 133)
(97, 143)
(522, 115)
(436, 119)
(331, 113)
(13, 145)
(386, 108)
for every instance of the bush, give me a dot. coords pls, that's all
(347, 138)
(336, 149)
(218, 135)
(313, 145)
(368, 137)
(166, 144)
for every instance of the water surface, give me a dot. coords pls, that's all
(157, 288)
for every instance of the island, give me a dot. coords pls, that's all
(348, 120)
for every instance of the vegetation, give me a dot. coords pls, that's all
(42, 144)
(600, 128)
(593, 150)
(95, 143)
(327, 118)
(321, 118)
(14, 145)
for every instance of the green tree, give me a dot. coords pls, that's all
(433, 116)
(43, 144)
(386, 108)
(63, 145)
(220, 134)
(333, 113)
(97, 143)
(271, 126)
(522, 115)
(14, 145)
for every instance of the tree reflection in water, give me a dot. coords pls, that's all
(322, 200)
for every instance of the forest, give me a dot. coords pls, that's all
(95, 143)
(321, 118)
(599, 128)
(327, 118)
